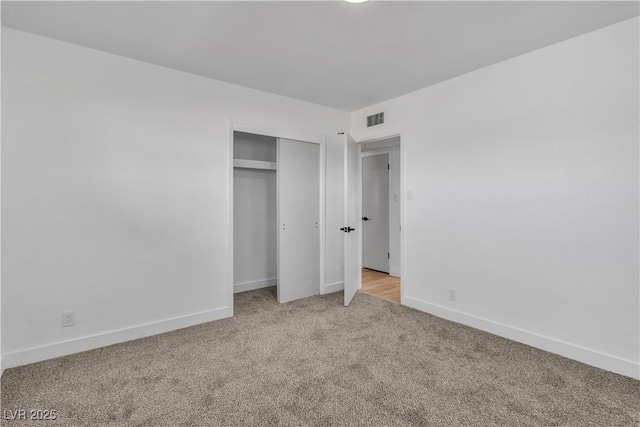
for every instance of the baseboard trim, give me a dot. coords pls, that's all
(395, 272)
(333, 287)
(256, 284)
(50, 351)
(590, 357)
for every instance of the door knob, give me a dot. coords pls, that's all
(364, 218)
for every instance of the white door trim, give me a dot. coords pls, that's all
(295, 134)
(377, 136)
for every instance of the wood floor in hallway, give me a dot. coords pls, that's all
(380, 285)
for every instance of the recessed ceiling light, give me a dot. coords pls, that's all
(356, 1)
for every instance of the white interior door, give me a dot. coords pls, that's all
(298, 219)
(375, 212)
(352, 221)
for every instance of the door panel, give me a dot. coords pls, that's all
(375, 212)
(352, 219)
(298, 219)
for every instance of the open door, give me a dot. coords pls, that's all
(352, 219)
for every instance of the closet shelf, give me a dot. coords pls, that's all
(254, 164)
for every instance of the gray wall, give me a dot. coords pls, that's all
(524, 177)
(116, 189)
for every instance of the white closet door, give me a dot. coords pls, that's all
(298, 217)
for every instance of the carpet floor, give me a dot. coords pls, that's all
(314, 362)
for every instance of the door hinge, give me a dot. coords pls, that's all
(388, 256)
(388, 167)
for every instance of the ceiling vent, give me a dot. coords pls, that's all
(375, 119)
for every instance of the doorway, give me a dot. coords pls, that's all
(381, 228)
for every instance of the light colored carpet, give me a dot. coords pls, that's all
(314, 362)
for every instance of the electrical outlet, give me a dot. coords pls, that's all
(68, 318)
(452, 295)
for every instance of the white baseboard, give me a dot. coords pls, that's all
(571, 351)
(50, 351)
(252, 286)
(333, 287)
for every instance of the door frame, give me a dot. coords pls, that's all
(295, 134)
(374, 137)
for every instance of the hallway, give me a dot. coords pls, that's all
(381, 285)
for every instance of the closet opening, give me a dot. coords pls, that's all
(277, 217)
(255, 238)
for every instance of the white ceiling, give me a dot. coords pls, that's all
(341, 55)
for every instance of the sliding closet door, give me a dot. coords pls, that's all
(298, 219)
